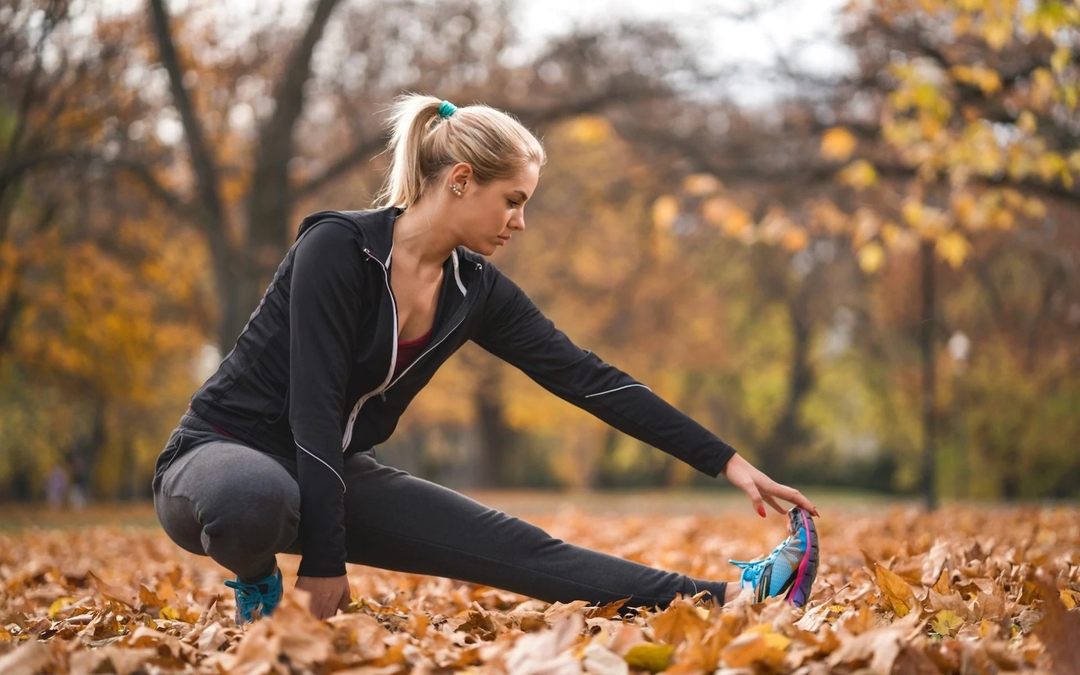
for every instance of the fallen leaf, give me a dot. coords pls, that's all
(650, 656)
(1059, 629)
(760, 648)
(897, 592)
(602, 661)
(946, 623)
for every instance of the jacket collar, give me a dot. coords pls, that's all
(377, 229)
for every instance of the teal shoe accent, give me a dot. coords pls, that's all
(256, 598)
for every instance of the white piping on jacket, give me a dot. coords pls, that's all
(457, 277)
(326, 465)
(393, 353)
(609, 391)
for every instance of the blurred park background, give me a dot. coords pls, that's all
(845, 238)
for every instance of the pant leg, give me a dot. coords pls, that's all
(396, 521)
(228, 501)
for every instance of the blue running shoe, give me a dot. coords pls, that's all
(256, 598)
(790, 569)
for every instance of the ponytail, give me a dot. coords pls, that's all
(423, 142)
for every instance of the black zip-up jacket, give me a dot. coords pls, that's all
(310, 375)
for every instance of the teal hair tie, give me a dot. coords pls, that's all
(446, 109)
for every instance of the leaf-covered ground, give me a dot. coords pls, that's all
(966, 590)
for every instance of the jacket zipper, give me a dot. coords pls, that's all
(393, 354)
(390, 379)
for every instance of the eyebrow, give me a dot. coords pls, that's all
(524, 197)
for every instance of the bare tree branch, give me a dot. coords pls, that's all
(270, 200)
(207, 183)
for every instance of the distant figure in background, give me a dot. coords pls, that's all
(276, 452)
(56, 487)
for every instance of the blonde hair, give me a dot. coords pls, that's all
(423, 143)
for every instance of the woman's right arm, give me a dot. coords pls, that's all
(327, 277)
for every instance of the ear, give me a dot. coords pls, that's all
(460, 174)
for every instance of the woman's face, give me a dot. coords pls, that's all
(491, 213)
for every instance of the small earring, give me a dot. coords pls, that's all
(456, 189)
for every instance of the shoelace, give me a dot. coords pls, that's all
(248, 599)
(251, 596)
(752, 569)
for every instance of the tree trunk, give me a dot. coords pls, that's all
(494, 434)
(926, 339)
(787, 433)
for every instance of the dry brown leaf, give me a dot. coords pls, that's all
(174, 615)
(934, 563)
(897, 593)
(760, 648)
(1059, 630)
(600, 660)
(28, 659)
(547, 652)
(679, 621)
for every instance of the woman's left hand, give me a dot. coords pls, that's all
(761, 489)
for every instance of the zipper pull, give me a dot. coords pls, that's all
(383, 395)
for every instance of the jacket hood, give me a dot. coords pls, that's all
(376, 226)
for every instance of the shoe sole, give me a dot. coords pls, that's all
(799, 592)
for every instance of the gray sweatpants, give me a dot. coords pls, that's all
(240, 506)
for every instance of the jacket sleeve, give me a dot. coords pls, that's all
(323, 318)
(513, 329)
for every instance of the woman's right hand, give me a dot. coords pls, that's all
(328, 594)
(761, 489)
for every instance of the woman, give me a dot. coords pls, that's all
(275, 454)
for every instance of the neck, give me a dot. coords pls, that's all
(421, 236)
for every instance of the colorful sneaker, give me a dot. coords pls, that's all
(257, 598)
(791, 567)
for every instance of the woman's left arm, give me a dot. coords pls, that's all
(516, 331)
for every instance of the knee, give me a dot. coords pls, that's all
(259, 518)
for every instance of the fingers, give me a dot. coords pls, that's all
(773, 503)
(751, 491)
(326, 604)
(795, 497)
(788, 494)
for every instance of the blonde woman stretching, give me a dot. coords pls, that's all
(276, 453)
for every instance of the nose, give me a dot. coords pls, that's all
(518, 221)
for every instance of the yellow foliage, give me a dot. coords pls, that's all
(590, 129)
(701, 184)
(837, 144)
(871, 257)
(1042, 88)
(1060, 60)
(860, 175)
(984, 78)
(795, 239)
(724, 213)
(828, 217)
(998, 32)
(1033, 208)
(965, 209)
(953, 247)
(1026, 122)
(665, 210)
